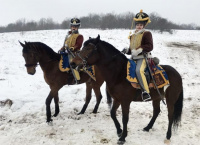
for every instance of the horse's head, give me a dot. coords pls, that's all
(89, 53)
(29, 53)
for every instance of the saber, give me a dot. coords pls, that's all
(161, 97)
(74, 72)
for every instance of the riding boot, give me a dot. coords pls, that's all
(145, 96)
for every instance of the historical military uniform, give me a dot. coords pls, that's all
(72, 44)
(141, 42)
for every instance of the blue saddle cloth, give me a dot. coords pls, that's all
(64, 63)
(65, 67)
(159, 74)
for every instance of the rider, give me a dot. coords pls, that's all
(72, 44)
(141, 42)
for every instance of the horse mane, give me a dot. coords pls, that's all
(38, 46)
(111, 50)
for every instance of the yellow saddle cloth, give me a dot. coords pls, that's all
(159, 75)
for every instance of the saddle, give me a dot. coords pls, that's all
(158, 73)
(64, 66)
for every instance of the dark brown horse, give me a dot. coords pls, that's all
(37, 52)
(113, 66)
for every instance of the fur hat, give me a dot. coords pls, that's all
(75, 22)
(141, 18)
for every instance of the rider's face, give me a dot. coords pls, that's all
(139, 27)
(74, 28)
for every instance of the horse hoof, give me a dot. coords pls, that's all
(120, 142)
(80, 113)
(55, 115)
(146, 129)
(119, 134)
(50, 123)
(167, 141)
(94, 112)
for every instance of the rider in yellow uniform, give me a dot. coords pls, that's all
(73, 42)
(141, 42)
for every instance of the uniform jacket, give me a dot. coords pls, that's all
(73, 40)
(142, 39)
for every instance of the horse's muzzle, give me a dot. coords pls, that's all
(31, 71)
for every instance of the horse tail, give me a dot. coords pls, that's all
(178, 111)
(109, 98)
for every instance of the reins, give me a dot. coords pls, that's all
(84, 60)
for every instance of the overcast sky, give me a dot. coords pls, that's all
(177, 11)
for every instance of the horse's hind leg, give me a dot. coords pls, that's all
(170, 118)
(156, 111)
(88, 97)
(113, 116)
(170, 107)
(109, 98)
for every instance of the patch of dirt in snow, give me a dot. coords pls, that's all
(190, 45)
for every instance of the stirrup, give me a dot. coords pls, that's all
(78, 82)
(145, 96)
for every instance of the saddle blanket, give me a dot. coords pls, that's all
(64, 63)
(159, 75)
(65, 67)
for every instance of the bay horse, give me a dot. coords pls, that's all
(37, 52)
(113, 66)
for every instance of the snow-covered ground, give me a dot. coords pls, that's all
(24, 122)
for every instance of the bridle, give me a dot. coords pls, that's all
(31, 65)
(84, 59)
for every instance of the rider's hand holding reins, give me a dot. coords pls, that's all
(135, 52)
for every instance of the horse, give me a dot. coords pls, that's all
(113, 66)
(37, 52)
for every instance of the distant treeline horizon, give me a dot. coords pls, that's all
(98, 21)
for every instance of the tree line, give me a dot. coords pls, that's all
(99, 21)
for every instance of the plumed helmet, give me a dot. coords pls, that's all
(142, 17)
(75, 22)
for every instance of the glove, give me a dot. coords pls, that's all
(125, 50)
(71, 48)
(136, 52)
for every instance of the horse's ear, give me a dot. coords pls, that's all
(25, 43)
(90, 38)
(21, 44)
(98, 38)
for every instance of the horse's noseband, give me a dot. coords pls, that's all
(31, 65)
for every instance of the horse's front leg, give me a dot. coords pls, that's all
(87, 98)
(98, 98)
(125, 118)
(113, 116)
(48, 107)
(56, 100)
(52, 94)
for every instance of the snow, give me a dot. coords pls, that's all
(24, 122)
